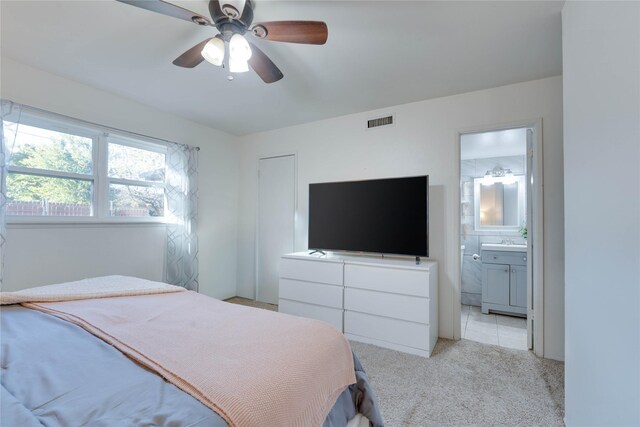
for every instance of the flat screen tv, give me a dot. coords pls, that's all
(389, 216)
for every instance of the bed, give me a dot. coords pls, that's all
(121, 351)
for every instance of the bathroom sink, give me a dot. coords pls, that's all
(504, 247)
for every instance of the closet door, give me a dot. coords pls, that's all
(276, 212)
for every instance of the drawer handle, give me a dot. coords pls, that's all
(524, 258)
(495, 257)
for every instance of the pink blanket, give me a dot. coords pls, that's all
(253, 367)
(95, 287)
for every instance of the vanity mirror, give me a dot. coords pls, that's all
(499, 204)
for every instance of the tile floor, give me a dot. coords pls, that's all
(504, 331)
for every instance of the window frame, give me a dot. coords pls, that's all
(99, 177)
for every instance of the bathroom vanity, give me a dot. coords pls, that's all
(504, 278)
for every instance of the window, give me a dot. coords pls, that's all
(60, 170)
(136, 181)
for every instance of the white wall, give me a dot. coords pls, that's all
(423, 141)
(115, 249)
(601, 56)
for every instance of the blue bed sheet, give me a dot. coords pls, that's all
(55, 373)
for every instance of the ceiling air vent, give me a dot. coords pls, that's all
(381, 121)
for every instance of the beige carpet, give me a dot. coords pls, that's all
(464, 383)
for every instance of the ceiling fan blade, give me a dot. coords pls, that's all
(307, 32)
(169, 9)
(191, 57)
(263, 66)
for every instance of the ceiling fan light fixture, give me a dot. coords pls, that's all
(213, 51)
(238, 65)
(239, 49)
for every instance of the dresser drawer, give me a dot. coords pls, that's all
(311, 271)
(404, 307)
(332, 316)
(313, 293)
(396, 280)
(504, 257)
(390, 330)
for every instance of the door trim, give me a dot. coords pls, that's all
(537, 293)
(256, 267)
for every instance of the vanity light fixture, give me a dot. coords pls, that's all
(488, 179)
(498, 174)
(509, 178)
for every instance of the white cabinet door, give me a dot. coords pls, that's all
(276, 210)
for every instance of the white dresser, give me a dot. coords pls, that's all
(389, 302)
(311, 287)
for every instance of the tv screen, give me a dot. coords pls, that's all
(381, 215)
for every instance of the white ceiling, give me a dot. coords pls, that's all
(379, 54)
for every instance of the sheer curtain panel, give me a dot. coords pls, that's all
(182, 211)
(9, 122)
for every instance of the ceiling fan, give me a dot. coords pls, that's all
(233, 19)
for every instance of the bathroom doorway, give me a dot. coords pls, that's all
(500, 231)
